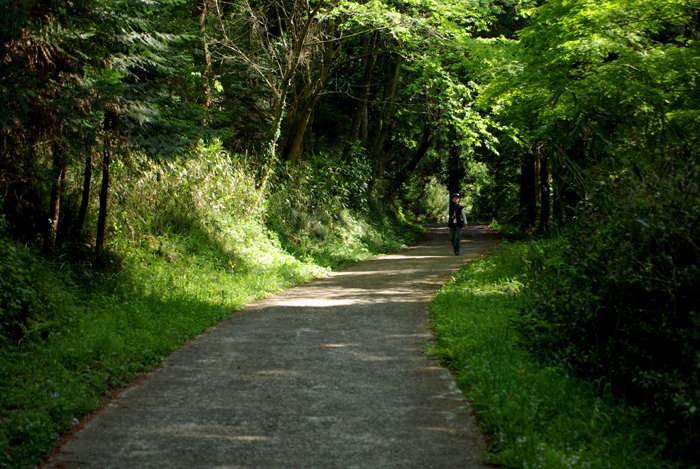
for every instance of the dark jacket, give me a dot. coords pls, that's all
(457, 217)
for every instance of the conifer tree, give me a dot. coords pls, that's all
(76, 75)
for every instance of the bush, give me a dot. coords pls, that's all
(426, 199)
(616, 298)
(29, 292)
(537, 415)
(320, 213)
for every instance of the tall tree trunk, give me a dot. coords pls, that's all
(296, 128)
(418, 154)
(364, 129)
(545, 200)
(379, 154)
(571, 194)
(59, 168)
(536, 156)
(270, 146)
(558, 195)
(85, 200)
(104, 193)
(279, 98)
(454, 170)
(293, 150)
(358, 130)
(528, 196)
(388, 110)
(302, 108)
(203, 57)
(571, 199)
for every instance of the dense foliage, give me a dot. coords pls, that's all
(592, 87)
(604, 99)
(23, 309)
(537, 415)
(615, 298)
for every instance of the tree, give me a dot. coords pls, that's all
(65, 67)
(297, 49)
(274, 40)
(594, 82)
(604, 92)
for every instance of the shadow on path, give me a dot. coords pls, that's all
(328, 374)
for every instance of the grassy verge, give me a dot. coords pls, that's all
(536, 415)
(185, 253)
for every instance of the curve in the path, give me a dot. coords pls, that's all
(328, 374)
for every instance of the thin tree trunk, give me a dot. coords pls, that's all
(418, 154)
(280, 100)
(104, 192)
(204, 60)
(293, 150)
(297, 124)
(85, 201)
(59, 168)
(303, 106)
(536, 178)
(359, 120)
(571, 195)
(388, 111)
(571, 199)
(364, 130)
(270, 151)
(379, 154)
(545, 200)
(528, 204)
(454, 170)
(558, 195)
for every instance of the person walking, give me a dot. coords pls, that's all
(456, 221)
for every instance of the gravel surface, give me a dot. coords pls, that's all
(332, 373)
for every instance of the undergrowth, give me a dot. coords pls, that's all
(615, 296)
(537, 416)
(189, 243)
(319, 212)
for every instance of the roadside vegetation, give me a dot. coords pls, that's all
(190, 243)
(537, 414)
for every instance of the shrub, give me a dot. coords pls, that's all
(29, 292)
(616, 298)
(537, 415)
(427, 199)
(320, 213)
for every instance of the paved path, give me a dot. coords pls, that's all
(328, 374)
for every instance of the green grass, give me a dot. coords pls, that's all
(537, 416)
(121, 321)
(184, 254)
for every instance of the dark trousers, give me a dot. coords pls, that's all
(455, 235)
